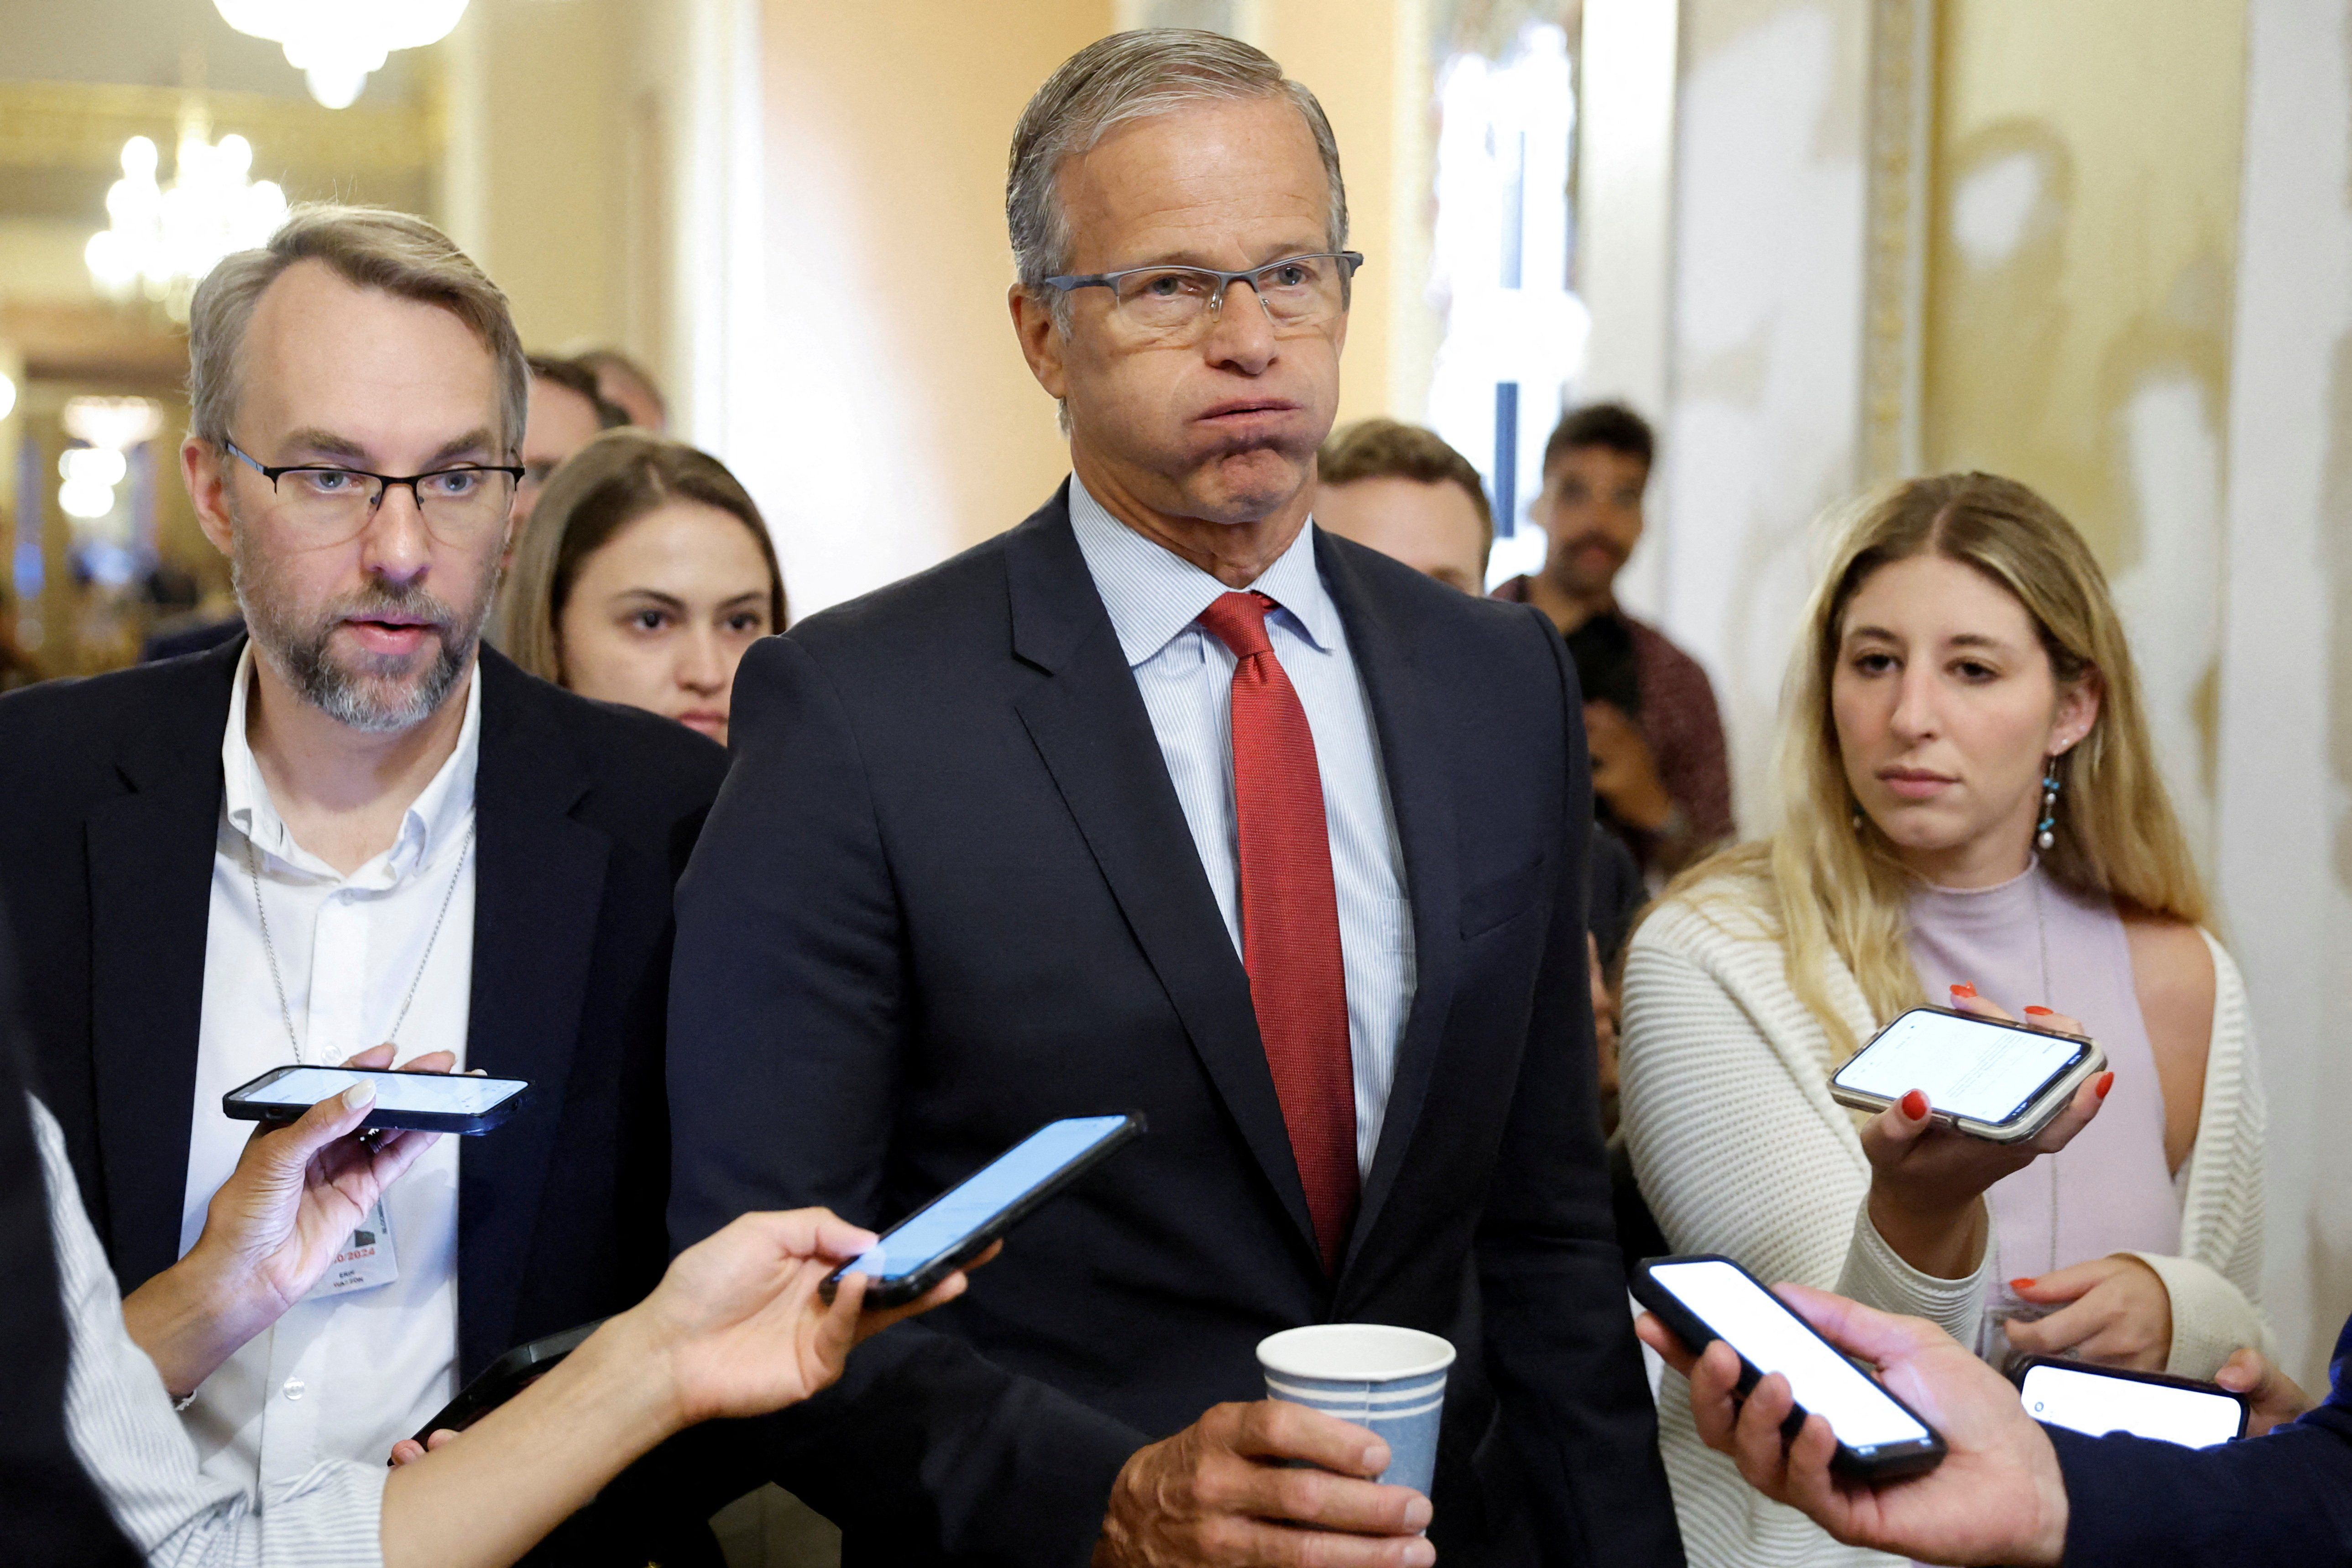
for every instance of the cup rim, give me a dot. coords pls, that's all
(1278, 1353)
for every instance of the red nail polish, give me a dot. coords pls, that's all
(2025, 1284)
(2041, 1013)
(1964, 989)
(2106, 1081)
(1915, 1105)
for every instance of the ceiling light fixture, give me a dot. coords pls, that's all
(336, 43)
(163, 239)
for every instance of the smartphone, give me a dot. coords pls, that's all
(2098, 1399)
(415, 1102)
(1706, 1298)
(2000, 1082)
(958, 1226)
(506, 1377)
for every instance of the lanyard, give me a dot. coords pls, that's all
(253, 871)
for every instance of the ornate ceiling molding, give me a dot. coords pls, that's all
(83, 125)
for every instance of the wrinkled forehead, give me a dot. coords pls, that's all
(1219, 182)
(395, 375)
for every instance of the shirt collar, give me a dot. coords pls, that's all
(1153, 594)
(438, 814)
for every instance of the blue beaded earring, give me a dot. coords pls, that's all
(2042, 835)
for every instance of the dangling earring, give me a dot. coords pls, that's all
(2042, 835)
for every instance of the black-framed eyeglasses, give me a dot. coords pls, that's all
(1297, 292)
(459, 503)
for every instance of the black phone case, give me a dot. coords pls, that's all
(2162, 1379)
(401, 1120)
(506, 1377)
(899, 1291)
(1892, 1465)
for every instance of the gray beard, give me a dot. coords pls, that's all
(366, 693)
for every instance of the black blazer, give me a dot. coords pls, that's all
(51, 1515)
(948, 893)
(2283, 1501)
(585, 812)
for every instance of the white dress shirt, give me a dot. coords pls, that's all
(118, 1420)
(1186, 676)
(341, 1375)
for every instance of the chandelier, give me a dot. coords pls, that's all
(161, 240)
(336, 43)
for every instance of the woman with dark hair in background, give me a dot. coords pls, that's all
(645, 575)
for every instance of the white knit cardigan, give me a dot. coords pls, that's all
(1739, 1150)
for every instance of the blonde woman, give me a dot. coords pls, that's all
(1969, 815)
(644, 576)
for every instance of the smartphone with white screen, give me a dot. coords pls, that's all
(958, 1226)
(1706, 1298)
(413, 1101)
(2098, 1400)
(2001, 1082)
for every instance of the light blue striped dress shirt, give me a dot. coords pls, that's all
(120, 1420)
(1186, 676)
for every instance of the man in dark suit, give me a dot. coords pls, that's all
(356, 828)
(1166, 801)
(2013, 1490)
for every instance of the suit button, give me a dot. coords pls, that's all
(294, 1386)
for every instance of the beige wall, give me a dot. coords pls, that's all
(2084, 256)
(539, 114)
(1766, 353)
(1367, 61)
(913, 427)
(2285, 751)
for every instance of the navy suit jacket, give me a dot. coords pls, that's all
(2283, 1501)
(948, 893)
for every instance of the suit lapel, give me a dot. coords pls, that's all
(1412, 747)
(1089, 725)
(150, 869)
(537, 891)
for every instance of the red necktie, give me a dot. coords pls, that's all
(1290, 917)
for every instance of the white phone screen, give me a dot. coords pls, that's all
(1773, 1339)
(2092, 1403)
(441, 1094)
(1981, 1071)
(982, 1196)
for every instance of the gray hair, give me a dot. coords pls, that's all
(370, 247)
(1128, 76)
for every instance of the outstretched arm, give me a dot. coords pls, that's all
(734, 1329)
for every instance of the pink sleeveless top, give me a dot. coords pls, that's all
(2031, 942)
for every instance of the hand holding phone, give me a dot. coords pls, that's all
(1705, 1297)
(272, 1230)
(961, 1223)
(1987, 1079)
(1998, 1496)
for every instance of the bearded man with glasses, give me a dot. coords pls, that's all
(355, 832)
(1168, 801)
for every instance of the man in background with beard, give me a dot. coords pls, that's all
(1661, 780)
(356, 828)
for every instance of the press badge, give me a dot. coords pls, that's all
(366, 1259)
